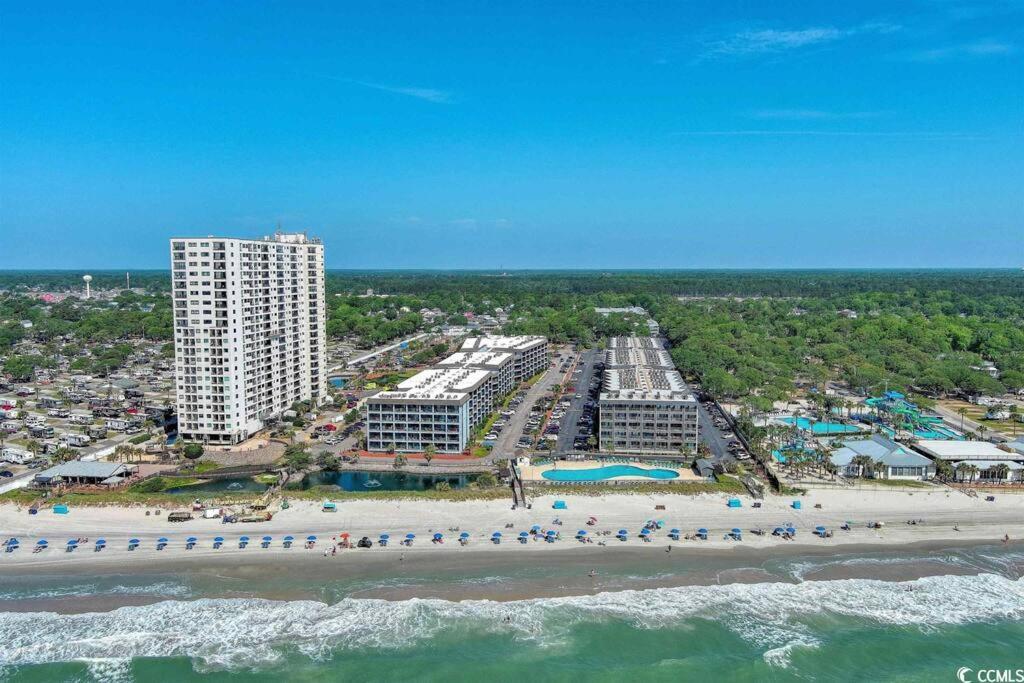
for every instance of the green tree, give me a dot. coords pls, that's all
(297, 458)
(400, 461)
(328, 461)
(486, 480)
(429, 452)
(193, 451)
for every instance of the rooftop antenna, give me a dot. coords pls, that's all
(87, 279)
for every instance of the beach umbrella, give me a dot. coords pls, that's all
(311, 539)
(11, 541)
(409, 537)
(385, 537)
(289, 538)
(99, 541)
(267, 539)
(675, 532)
(464, 534)
(581, 532)
(191, 539)
(523, 534)
(535, 527)
(438, 537)
(133, 543)
(737, 532)
(218, 540)
(778, 531)
(790, 530)
(162, 540)
(244, 539)
(552, 533)
(344, 534)
(622, 532)
(43, 542)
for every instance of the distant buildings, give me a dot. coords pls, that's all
(992, 463)
(249, 332)
(896, 461)
(442, 405)
(645, 406)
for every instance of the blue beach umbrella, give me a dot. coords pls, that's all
(464, 534)
(267, 539)
(287, 542)
(535, 527)
(523, 534)
(42, 542)
(702, 532)
(101, 541)
(581, 532)
(162, 540)
(737, 532)
(645, 531)
(217, 541)
(622, 532)
(189, 542)
(73, 541)
(385, 537)
(311, 539)
(790, 530)
(496, 534)
(438, 537)
(409, 537)
(778, 531)
(289, 538)
(133, 543)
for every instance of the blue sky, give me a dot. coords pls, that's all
(517, 135)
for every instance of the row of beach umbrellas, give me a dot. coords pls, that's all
(523, 536)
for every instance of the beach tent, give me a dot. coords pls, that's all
(796, 504)
(559, 505)
(735, 503)
(60, 509)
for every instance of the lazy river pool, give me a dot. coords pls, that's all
(609, 472)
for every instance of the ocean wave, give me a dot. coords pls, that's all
(800, 570)
(165, 589)
(256, 633)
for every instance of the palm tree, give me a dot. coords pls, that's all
(1000, 471)
(863, 463)
(973, 471)
(961, 412)
(879, 467)
(33, 447)
(961, 471)
(400, 461)
(943, 470)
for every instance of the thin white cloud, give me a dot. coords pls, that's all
(981, 48)
(812, 115)
(768, 41)
(426, 94)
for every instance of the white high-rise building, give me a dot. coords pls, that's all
(249, 332)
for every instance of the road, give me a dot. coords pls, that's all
(954, 420)
(568, 427)
(506, 445)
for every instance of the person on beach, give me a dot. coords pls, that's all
(1006, 538)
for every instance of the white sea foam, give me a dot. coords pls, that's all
(800, 570)
(254, 633)
(163, 589)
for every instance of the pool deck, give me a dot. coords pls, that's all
(534, 472)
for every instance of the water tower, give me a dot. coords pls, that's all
(87, 279)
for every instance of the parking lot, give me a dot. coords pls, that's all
(573, 417)
(716, 434)
(526, 411)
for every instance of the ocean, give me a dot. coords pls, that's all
(813, 617)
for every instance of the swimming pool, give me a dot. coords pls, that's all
(609, 472)
(821, 427)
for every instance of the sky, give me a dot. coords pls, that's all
(515, 135)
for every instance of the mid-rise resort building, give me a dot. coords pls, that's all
(645, 406)
(442, 405)
(249, 332)
(529, 354)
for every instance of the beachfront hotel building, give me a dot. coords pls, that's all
(441, 406)
(249, 332)
(645, 406)
(530, 354)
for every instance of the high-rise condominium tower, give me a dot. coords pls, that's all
(249, 332)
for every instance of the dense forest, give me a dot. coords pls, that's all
(741, 332)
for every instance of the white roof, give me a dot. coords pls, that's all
(477, 359)
(964, 450)
(452, 384)
(497, 342)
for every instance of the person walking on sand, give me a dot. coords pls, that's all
(1006, 538)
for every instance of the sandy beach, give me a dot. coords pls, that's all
(945, 516)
